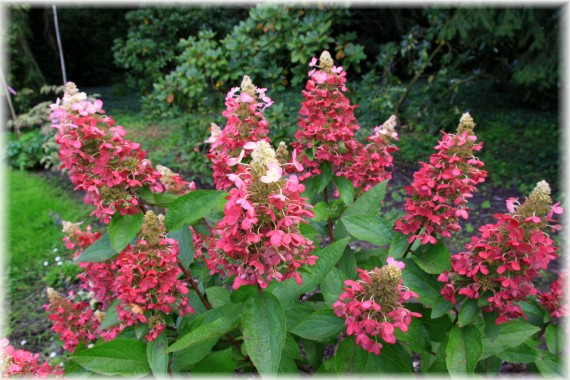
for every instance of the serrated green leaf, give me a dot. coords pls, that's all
(216, 362)
(324, 178)
(319, 326)
(264, 330)
(332, 285)
(321, 211)
(398, 246)
(122, 357)
(157, 354)
(433, 258)
(192, 207)
(186, 243)
(156, 199)
(519, 354)
(549, 364)
(511, 334)
(464, 349)
(184, 359)
(468, 312)
(373, 229)
(425, 285)
(123, 229)
(393, 358)
(369, 202)
(218, 296)
(212, 324)
(345, 188)
(99, 251)
(349, 358)
(554, 338)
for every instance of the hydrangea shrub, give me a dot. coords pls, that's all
(263, 275)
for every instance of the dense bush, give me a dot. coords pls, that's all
(148, 51)
(295, 269)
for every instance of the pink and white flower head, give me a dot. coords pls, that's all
(554, 301)
(245, 123)
(502, 262)
(439, 194)
(21, 363)
(373, 306)
(148, 285)
(100, 160)
(327, 128)
(258, 238)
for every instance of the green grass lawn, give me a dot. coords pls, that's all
(35, 208)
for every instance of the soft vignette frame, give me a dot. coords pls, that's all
(564, 104)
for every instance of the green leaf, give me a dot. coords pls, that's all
(393, 358)
(184, 359)
(549, 364)
(192, 207)
(373, 229)
(122, 357)
(212, 324)
(426, 286)
(347, 263)
(319, 326)
(157, 354)
(156, 199)
(244, 293)
(218, 296)
(216, 362)
(287, 365)
(398, 246)
(519, 354)
(433, 258)
(308, 231)
(533, 311)
(468, 312)
(350, 358)
(123, 229)
(111, 316)
(554, 338)
(332, 285)
(100, 250)
(291, 347)
(369, 202)
(288, 291)
(186, 243)
(314, 352)
(491, 328)
(417, 336)
(321, 211)
(264, 332)
(511, 334)
(464, 349)
(324, 178)
(345, 188)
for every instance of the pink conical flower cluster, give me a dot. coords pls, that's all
(97, 277)
(373, 306)
(75, 322)
(20, 363)
(439, 194)
(501, 263)
(553, 300)
(327, 128)
(101, 162)
(258, 238)
(245, 123)
(147, 283)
